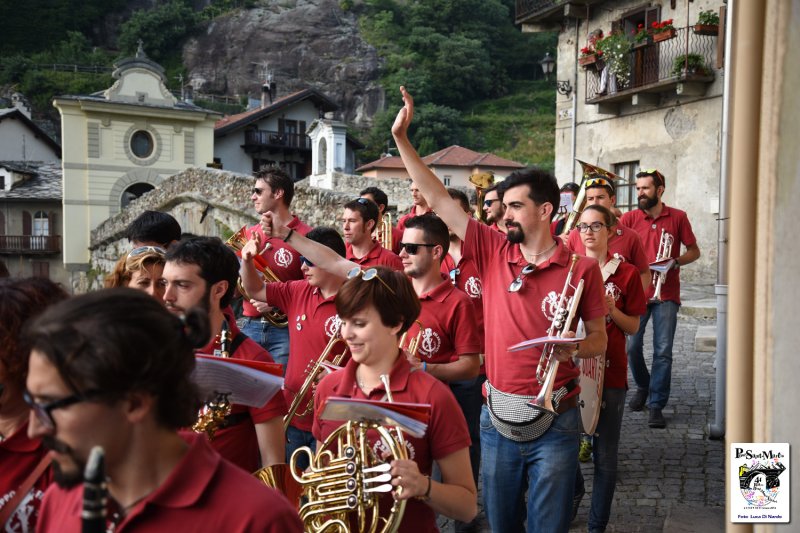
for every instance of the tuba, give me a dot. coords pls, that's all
(664, 252)
(236, 242)
(312, 373)
(384, 231)
(481, 181)
(562, 317)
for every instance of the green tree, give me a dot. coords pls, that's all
(162, 29)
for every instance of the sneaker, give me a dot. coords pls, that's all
(656, 419)
(638, 400)
(585, 453)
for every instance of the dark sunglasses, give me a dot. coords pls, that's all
(602, 182)
(413, 248)
(488, 203)
(516, 285)
(453, 273)
(304, 261)
(257, 191)
(44, 411)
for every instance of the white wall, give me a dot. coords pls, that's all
(18, 143)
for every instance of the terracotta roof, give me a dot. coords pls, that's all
(452, 156)
(232, 122)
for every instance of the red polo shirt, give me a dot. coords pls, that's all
(625, 285)
(447, 430)
(397, 238)
(238, 443)
(19, 455)
(401, 223)
(281, 258)
(377, 256)
(202, 493)
(677, 224)
(514, 317)
(622, 241)
(448, 323)
(467, 280)
(312, 322)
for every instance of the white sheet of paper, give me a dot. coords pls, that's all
(245, 386)
(349, 410)
(541, 341)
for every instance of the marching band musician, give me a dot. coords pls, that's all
(273, 191)
(113, 369)
(621, 240)
(24, 460)
(648, 221)
(419, 206)
(625, 304)
(359, 220)
(376, 307)
(312, 322)
(545, 466)
(493, 209)
(202, 272)
(379, 197)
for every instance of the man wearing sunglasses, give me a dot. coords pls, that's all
(493, 209)
(653, 216)
(358, 223)
(622, 240)
(523, 274)
(273, 191)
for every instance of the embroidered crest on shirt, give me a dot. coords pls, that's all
(383, 452)
(430, 343)
(473, 287)
(331, 325)
(614, 291)
(22, 520)
(283, 257)
(550, 305)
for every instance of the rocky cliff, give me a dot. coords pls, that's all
(303, 42)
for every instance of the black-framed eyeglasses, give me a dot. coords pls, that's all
(413, 247)
(368, 275)
(516, 285)
(44, 411)
(453, 273)
(488, 203)
(304, 261)
(141, 250)
(257, 191)
(594, 226)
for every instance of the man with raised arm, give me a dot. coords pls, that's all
(523, 274)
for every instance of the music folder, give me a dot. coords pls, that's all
(665, 265)
(541, 341)
(412, 418)
(251, 383)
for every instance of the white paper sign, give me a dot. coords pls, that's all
(759, 482)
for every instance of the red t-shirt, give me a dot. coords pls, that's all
(625, 285)
(312, 323)
(468, 280)
(377, 256)
(202, 493)
(401, 222)
(514, 317)
(448, 325)
(19, 455)
(238, 443)
(622, 241)
(282, 259)
(677, 224)
(447, 429)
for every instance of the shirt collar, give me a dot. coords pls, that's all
(398, 378)
(20, 442)
(665, 212)
(439, 292)
(560, 256)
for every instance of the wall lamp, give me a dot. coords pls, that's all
(548, 65)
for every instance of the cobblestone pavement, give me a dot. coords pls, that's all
(667, 475)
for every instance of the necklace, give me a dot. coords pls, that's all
(537, 254)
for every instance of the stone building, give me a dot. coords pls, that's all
(644, 109)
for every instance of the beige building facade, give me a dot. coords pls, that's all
(121, 143)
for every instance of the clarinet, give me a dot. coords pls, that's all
(95, 493)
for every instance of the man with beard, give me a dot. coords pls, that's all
(202, 272)
(523, 274)
(358, 222)
(113, 369)
(493, 209)
(653, 216)
(273, 191)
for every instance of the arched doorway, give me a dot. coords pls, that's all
(133, 192)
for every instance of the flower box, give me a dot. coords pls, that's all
(587, 61)
(642, 44)
(664, 35)
(706, 29)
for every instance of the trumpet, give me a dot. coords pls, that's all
(562, 317)
(383, 233)
(236, 242)
(312, 374)
(664, 251)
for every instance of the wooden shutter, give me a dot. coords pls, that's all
(2, 223)
(27, 224)
(51, 230)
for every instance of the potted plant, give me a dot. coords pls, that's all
(616, 54)
(663, 30)
(641, 37)
(707, 23)
(589, 57)
(685, 65)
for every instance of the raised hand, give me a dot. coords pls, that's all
(404, 116)
(252, 247)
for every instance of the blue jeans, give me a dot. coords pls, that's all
(605, 445)
(544, 468)
(665, 320)
(470, 399)
(297, 438)
(272, 339)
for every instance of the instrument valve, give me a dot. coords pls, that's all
(350, 452)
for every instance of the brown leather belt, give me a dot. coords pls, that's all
(567, 404)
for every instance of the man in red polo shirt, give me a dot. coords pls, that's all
(312, 323)
(379, 197)
(623, 241)
(202, 271)
(113, 369)
(358, 222)
(273, 191)
(653, 216)
(419, 207)
(493, 209)
(523, 275)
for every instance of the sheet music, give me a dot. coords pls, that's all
(349, 409)
(244, 385)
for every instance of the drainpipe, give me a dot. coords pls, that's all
(716, 430)
(747, 56)
(575, 103)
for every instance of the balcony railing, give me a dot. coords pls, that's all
(652, 68)
(264, 139)
(30, 244)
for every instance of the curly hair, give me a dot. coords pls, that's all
(126, 266)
